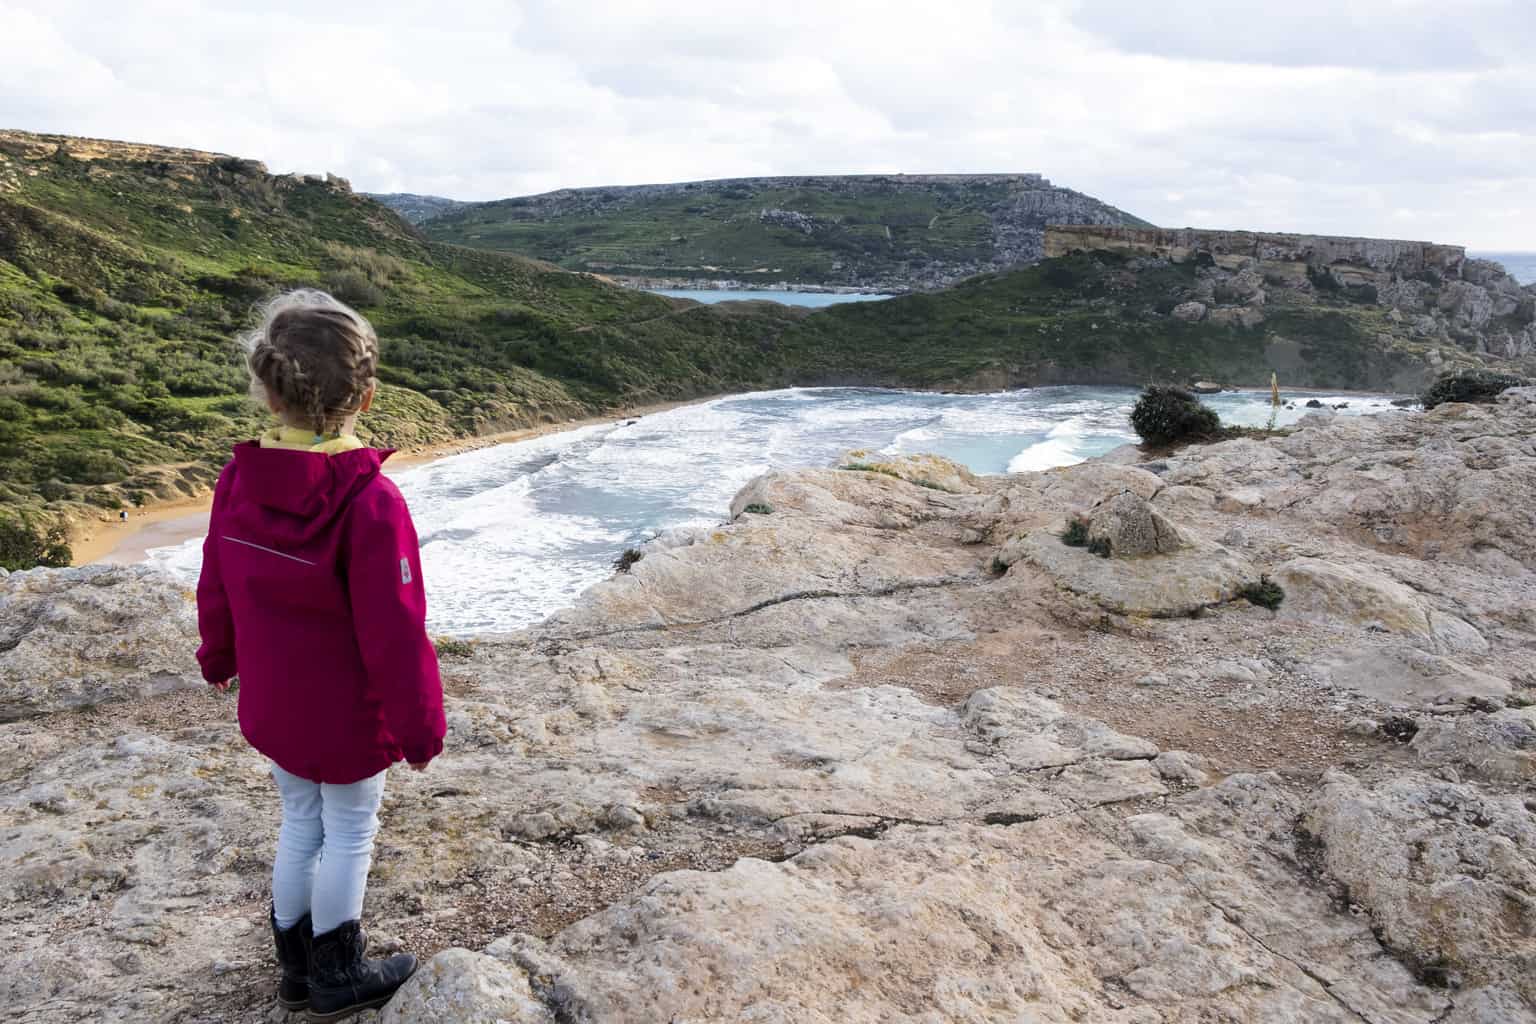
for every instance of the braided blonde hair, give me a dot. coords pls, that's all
(314, 356)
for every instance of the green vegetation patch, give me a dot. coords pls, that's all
(1266, 593)
(1169, 415)
(1471, 386)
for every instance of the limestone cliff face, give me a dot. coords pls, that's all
(28, 153)
(1432, 292)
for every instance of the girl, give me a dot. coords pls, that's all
(311, 591)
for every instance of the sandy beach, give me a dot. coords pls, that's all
(113, 542)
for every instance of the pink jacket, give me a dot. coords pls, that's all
(311, 592)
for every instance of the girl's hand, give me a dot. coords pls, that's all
(221, 687)
(419, 767)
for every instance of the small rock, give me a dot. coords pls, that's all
(1153, 679)
(621, 817)
(1182, 767)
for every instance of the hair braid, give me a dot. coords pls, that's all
(314, 357)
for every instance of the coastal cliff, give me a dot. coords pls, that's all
(1431, 291)
(879, 746)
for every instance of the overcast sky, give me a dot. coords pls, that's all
(1377, 117)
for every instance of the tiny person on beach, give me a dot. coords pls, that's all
(311, 591)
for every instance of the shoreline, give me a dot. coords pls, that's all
(168, 523)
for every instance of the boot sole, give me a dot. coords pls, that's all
(368, 1004)
(293, 1004)
(334, 1015)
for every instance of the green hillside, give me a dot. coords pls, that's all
(876, 232)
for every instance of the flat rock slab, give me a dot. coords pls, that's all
(1401, 674)
(1053, 921)
(78, 637)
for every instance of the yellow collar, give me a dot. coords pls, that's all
(295, 439)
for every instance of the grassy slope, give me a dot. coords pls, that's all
(122, 285)
(875, 228)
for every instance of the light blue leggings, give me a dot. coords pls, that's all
(323, 849)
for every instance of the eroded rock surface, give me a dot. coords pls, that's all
(878, 750)
(78, 638)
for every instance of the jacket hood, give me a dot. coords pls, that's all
(310, 488)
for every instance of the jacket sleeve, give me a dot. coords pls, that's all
(215, 625)
(389, 613)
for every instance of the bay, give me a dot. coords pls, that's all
(512, 533)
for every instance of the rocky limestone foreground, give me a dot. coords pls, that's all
(889, 751)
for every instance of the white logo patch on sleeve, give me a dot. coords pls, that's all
(405, 571)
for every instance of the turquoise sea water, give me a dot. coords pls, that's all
(512, 533)
(787, 298)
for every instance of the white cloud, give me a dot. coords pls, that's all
(1401, 118)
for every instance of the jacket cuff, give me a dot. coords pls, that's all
(421, 753)
(216, 669)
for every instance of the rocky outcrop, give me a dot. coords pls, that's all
(416, 208)
(26, 153)
(862, 754)
(1429, 291)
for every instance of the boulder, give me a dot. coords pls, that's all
(1189, 311)
(1126, 526)
(460, 987)
(931, 471)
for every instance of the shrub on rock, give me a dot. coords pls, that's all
(1076, 533)
(1266, 593)
(1471, 386)
(1165, 415)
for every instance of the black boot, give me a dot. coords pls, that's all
(293, 957)
(342, 982)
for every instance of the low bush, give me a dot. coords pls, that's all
(448, 647)
(757, 508)
(26, 545)
(1167, 415)
(627, 560)
(1266, 593)
(1471, 386)
(354, 288)
(1076, 533)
